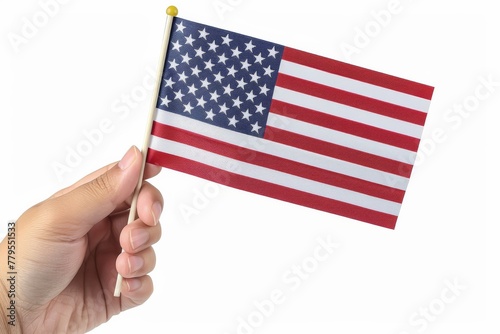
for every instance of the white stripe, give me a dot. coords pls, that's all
(347, 112)
(274, 177)
(283, 151)
(354, 86)
(343, 139)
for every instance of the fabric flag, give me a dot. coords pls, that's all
(287, 124)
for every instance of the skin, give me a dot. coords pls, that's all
(69, 251)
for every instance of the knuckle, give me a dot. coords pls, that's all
(101, 184)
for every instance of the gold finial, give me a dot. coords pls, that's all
(172, 11)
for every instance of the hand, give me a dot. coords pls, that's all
(68, 252)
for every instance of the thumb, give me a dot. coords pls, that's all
(74, 213)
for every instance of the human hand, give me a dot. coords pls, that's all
(68, 251)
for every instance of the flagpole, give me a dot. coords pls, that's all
(171, 13)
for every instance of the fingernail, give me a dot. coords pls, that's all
(133, 284)
(156, 212)
(138, 238)
(127, 159)
(135, 263)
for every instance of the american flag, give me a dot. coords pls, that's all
(287, 124)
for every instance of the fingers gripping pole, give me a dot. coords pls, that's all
(171, 13)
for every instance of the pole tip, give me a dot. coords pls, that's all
(172, 11)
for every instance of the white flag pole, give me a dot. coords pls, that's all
(171, 13)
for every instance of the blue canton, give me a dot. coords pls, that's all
(219, 77)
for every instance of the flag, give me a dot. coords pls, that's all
(287, 124)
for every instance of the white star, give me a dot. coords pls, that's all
(214, 96)
(169, 82)
(256, 127)
(228, 89)
(250, 46)
(188, 108)
(260, 109)
(259, 58)
(245, 65)
(231, 71)
(255, 77)
(201, 102)
(189, 40)
(203, 33)
(223, 109)
(178, 95)
(218, 77)
(182, 77)
(269, 71)
(180, 27)
(173, 64)
(222, 59)
(246, 115)
(236, 52)
(176, 46)
(236, 102)
(196, 71)
(250, 96)
(264, 89)
(200, 52)
(213, 46)
(209, 65)
(272, 52)
(233, 121)
(165, 101)
(192, 89)
(186, 58)
(241, 83)
(226, 40)
(210, 115)
(204, 83)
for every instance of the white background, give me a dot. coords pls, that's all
(70, 75)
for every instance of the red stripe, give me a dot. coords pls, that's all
(276, 163)
(344, 125)
(271, 190)
(351, 99)
(358, 73)
(338, 152)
